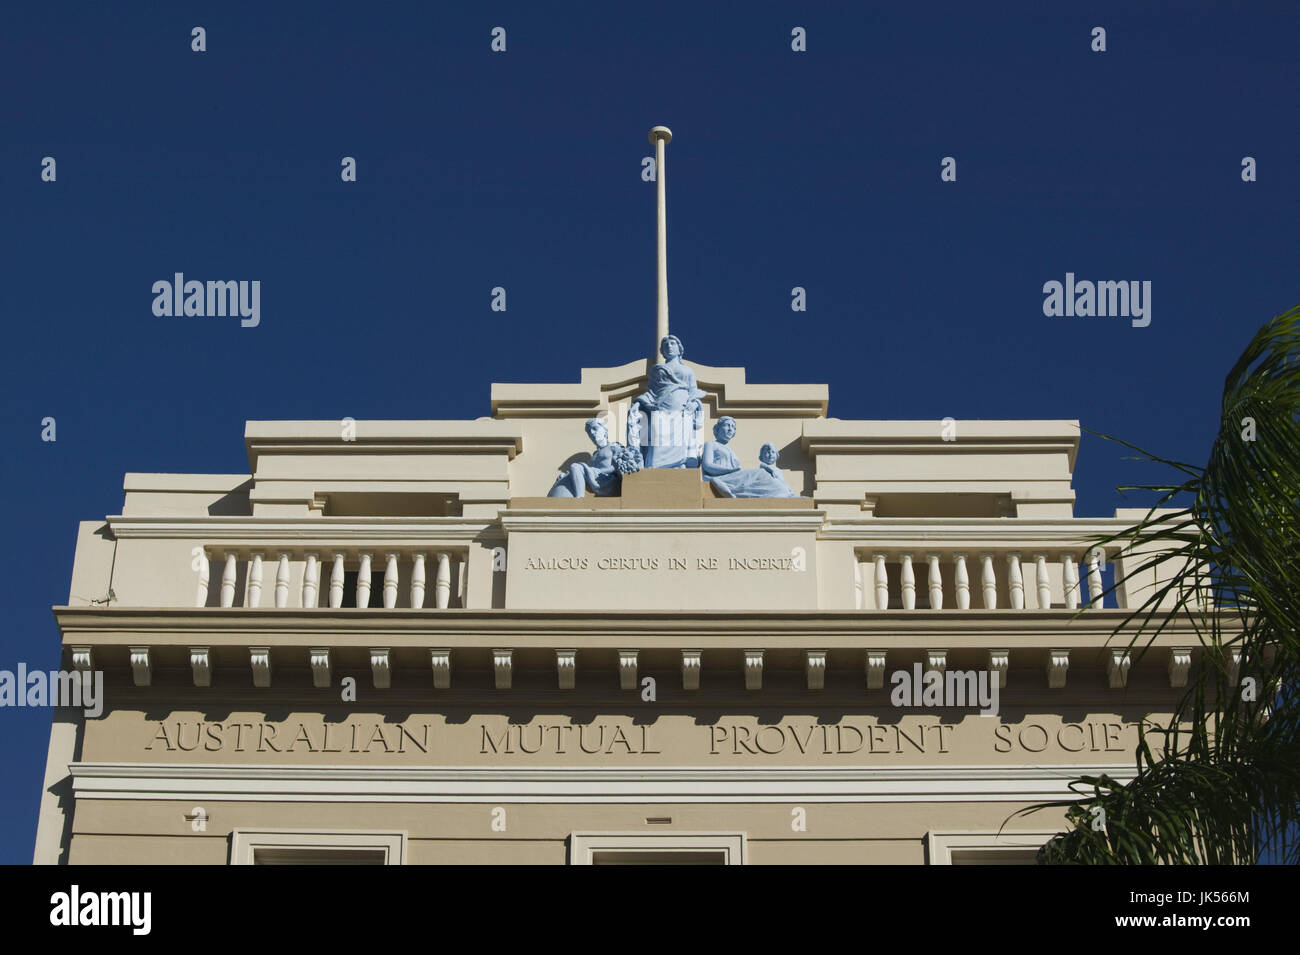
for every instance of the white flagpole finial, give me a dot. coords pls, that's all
(660, 136)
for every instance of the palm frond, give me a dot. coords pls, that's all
(1220, 781)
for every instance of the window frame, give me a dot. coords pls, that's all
(584, 846)
(942, 844)
(245, 843)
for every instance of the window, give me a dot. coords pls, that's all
(658, 848)
(307, 847)
(968, 847)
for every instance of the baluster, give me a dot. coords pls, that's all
(989, 582)
(390, 580)
(363, 580)
(336, 581)
(908, 581)
(1096, 557)
(857, 583)
(201, 596)
(255, 579)
(282, 581)
(311, 580)
(1071, 573)
(1044, 582)
(228, 581)
(882, 582)
(1015, 582)
(442, 583)
(417, 582)
(962, 580)
(936, 582)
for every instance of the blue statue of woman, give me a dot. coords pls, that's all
(721, 466)
(673, 396)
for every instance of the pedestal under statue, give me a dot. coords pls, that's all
(664, 421)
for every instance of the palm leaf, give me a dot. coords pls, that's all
(1220, 782)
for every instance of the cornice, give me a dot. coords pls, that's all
(1057, 534)
(943, 532)
(758, 784)
(832, 435)
(482, 436)
(582, 629)
(726, 387)
(669, 521)
(278, 530)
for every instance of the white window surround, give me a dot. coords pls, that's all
(979, 845)
(585, 846)
(245, 844)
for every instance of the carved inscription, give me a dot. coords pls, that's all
(748, 562)
(562, 738)
(1092, 737)
(367, 737)
(827, 739)
(852, 739)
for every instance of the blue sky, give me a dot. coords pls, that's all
(522, 169)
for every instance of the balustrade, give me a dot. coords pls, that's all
(397, 565)
(1054, 579)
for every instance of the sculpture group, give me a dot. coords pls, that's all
(663, 426)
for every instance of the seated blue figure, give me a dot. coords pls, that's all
(602, 475)
(767, 455)
(722, 468)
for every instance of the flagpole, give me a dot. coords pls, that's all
(660, 136)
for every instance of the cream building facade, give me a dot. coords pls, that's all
(385, 644)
